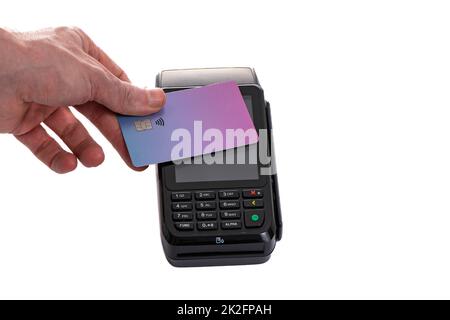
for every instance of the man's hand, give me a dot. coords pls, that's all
(43, 73)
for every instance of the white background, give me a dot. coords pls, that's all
(361, 110)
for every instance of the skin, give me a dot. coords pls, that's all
(44, 74)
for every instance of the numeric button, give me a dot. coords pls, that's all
(203, 226)
(182, 216)
(207, 215)
(206, 205)
(231, 204)
(182, 206)
(181, 196)
(229, 194)
(205, 195)
(230, 214)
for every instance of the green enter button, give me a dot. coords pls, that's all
(254, 218)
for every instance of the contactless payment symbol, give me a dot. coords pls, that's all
(160, 122)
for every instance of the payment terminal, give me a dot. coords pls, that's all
(220, 213)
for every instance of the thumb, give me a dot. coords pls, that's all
(124, 98)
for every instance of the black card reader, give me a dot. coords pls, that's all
(220, 214)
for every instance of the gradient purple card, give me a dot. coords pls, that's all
(193, 122)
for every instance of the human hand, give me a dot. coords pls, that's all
(43, 73)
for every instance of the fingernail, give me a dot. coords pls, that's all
(156, 98)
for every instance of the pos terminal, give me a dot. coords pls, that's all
(220, 214)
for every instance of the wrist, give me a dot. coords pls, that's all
(12, 53)
(11, 41)
(7, 36)
(3, 32)
(10, 45)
